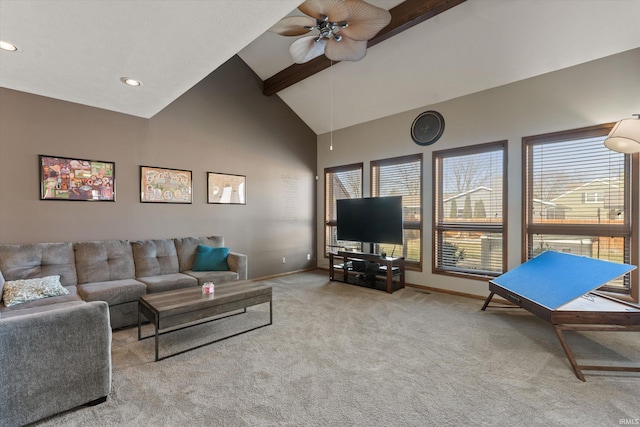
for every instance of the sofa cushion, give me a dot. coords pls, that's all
(155, 257)
(216, 277)
(101, 261)
(211, 259)
(187, 246)
(39, 308)
(20, 291)
(168, 282)
(34, 260)
(72, 296)
(113, 291)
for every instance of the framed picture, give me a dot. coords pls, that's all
(226, 189)
(63, 178)
(161, 185)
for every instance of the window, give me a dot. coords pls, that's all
(579, 198)
(470, 190)
(402, 176)
(592, 198)
(341, 182)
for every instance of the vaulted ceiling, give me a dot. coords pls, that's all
(78, 51)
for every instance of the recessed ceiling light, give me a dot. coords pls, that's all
(8, 46)
(131, 82)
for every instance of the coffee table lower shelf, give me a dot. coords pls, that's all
(172, 311)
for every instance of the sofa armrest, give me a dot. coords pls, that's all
(238, 263)
(53, 361)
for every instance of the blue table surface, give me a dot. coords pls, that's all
(553, 278)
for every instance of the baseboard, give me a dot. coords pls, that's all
(288, 273)
(445, 291)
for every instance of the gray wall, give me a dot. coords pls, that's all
(597, 92)
(223, 124)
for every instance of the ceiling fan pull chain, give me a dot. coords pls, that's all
(331, 106)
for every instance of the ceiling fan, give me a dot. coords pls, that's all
(344, 27)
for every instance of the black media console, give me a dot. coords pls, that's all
(368, 270)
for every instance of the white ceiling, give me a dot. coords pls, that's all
(78, 50)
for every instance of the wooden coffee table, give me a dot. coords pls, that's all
(182, 308)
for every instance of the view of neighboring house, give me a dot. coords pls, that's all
(594, 202)
(597, 200)
(475, 203)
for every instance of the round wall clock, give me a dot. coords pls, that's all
(427, 128)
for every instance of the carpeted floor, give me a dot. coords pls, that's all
(342, 355)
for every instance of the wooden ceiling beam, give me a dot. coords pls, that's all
(404, 16)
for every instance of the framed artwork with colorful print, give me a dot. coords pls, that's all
(65, 178)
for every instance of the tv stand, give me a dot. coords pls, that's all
(364, 269)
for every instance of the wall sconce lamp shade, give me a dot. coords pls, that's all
(625, 136)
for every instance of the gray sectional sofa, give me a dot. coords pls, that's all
(55, 352)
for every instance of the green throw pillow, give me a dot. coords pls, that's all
(211, 259)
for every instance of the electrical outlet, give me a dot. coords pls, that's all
(308, 257)
(284, 260)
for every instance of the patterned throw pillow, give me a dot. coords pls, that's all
(19, 291)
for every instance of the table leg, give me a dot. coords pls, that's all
(139, 323)
(569, 353)
(487, 301)
(156, 321)
(331, 267)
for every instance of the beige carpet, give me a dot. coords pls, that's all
(342, 355)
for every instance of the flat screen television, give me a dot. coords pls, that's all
(370, 219)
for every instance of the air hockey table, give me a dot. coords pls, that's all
(562, 288)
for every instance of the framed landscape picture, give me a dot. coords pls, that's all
(64, 178)
(226, 189)
(162, 185)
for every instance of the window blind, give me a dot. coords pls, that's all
(469, 206)
(578, 198)
(341, 182)
(402, 176)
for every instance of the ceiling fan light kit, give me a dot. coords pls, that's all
(344, 27)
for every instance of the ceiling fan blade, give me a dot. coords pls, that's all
(306, 48)
(346, 49)
(293, 26)
(336, 10)
(366, 20)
